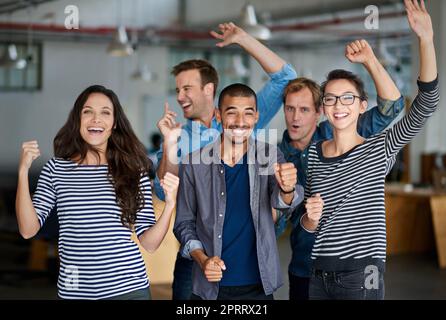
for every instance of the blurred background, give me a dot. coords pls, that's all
(50, 50)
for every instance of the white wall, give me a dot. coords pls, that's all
(68, 68)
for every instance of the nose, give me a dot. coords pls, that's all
(180, 95)
(296, 115)
(96, 117)
(240, 121)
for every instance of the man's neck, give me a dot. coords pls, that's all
(231, 153)
(206, 119)
(303, 143)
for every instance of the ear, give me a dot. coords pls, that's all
(218, 115)
(363, 107)
(209, 89)
(257, 116)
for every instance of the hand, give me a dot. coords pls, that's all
(314, 207)
(30, 152)
(359, 51)
(419, 19)
(168, 126)
(286, 176)
(170, 184)
(230, 33)
(212, 269)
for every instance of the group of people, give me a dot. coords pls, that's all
(233, 192)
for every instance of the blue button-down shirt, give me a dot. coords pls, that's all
(195, 135)
(370, 123)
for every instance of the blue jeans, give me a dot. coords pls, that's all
(142, 294)
(182, 278)
(343, 285)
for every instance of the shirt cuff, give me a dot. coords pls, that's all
(190, 246)
(297, 198)
(390, 107)
(287, 72)
(302, 225)
(427, 86)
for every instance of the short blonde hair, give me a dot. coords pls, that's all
(301, 83)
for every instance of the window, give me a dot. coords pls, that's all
(26, 79)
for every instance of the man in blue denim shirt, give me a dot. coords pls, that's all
(196, 82)
(302, 111)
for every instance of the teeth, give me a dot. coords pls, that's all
(96, 129)
(340, 115)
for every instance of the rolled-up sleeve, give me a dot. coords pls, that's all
(185, 220)
(270, 97)
(276, 199)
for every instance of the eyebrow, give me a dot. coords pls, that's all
(346, 92)
(104, 107)
(233, 107)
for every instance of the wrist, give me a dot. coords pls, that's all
(426, 40)
(23, 172)
(371, 63)
(287, 192)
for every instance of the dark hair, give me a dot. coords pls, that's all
(301, 83)
(347, 75)
(208, 73)
(236, 90)
(155, 139)
(125, 154)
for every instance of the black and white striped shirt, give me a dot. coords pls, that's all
(352, 231)
(98, 259)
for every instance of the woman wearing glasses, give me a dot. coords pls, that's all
(348, 173)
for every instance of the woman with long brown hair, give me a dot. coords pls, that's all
(98, 179)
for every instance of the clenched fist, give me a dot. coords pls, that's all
(30, 152)
(314, 207)
(170, 184)
(213, 269)
(359, 51)
(286, 176)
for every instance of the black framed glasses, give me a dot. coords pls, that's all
(345, 99)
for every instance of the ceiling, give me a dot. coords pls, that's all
(173, 22)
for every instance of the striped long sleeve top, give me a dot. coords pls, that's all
(351, 233)
(98, 259)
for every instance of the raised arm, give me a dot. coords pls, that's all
(167, 156)
(270, 97)
(232, 34)
(359, 51)
(421, 24)
(152, 237)
(426, 101)
(26, 214)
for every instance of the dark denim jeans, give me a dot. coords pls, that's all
(299, 287)
(182, 278)
(249, 292)
(344, 285)
(143, 294)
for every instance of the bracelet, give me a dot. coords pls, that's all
(285, 192)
